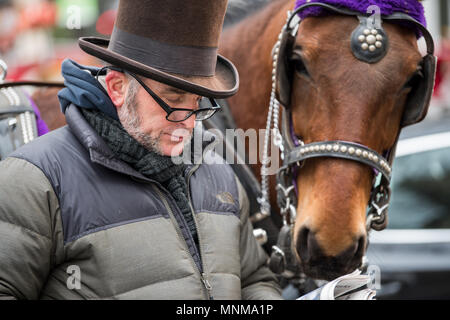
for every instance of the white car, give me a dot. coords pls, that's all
(412, 255)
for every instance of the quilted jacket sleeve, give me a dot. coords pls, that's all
(28, 213)
(258, 282)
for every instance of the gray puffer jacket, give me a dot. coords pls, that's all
(77, 223)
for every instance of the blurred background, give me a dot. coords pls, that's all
(36, 35)
(412, 254)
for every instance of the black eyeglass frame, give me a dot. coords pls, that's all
(168, 109)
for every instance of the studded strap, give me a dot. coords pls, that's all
(341, 149)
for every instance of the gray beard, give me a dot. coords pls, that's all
(131, 122)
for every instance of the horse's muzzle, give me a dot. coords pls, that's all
(317, 265)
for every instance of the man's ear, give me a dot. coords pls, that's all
(116, 85)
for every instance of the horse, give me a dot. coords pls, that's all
(334, 96)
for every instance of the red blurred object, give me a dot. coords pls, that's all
(50, 69)
(105, 23)
(41, 14)
(38, 15)
(443, 66)
(17, 73)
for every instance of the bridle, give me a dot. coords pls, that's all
(295, 152)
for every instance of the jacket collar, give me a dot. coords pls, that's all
(99, 151)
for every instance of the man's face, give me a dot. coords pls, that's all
(145, 120)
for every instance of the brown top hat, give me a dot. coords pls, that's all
(170, 41)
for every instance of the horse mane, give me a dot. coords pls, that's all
(238, 10)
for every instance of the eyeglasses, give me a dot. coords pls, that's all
(207, 106)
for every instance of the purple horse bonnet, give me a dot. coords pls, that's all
(413, 8)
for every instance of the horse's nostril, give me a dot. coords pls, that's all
(306, 244)
(302, 247)
(361, 248)
(354, 253)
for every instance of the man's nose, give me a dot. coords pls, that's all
(189, 123)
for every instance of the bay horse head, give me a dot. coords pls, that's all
(348, 88)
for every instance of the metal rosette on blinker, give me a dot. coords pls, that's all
(369, 44)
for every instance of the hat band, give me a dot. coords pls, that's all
(183, 60)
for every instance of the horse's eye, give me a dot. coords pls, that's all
(298, 64)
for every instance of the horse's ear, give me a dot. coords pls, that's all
(284, 70)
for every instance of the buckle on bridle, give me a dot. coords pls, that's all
(376, 218)
(285, 203)
(285, 191)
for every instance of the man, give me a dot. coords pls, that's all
(98, 209)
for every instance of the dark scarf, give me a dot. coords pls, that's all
(150, 164)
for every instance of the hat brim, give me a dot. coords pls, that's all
(223, 84)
